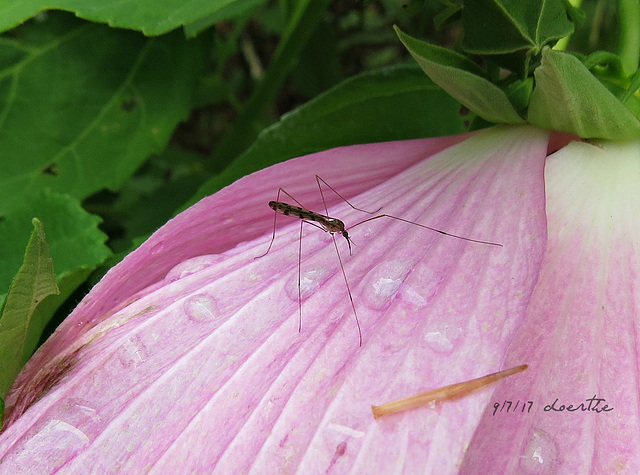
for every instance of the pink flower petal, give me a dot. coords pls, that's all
(206, 368)
(580, 337)
(219, 222)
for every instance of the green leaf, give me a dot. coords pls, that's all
(633, 86)
(303, 22)
(463, 79)
(517, 30)
(629, 35)
(151, 196)
(149, 16)
(319, 67)
(76, 244)
(225, 11)
(568, 98)
(21, 322)
(605, 63)
(397, 103)
(450, 13)
(83, 105)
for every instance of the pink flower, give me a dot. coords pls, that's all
(187, 355)
(580, 335)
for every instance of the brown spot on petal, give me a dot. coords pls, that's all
(44, 381)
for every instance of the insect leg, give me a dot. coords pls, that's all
(275, 217)
(426, 227)
(355, 314)
(273, 235)
(319, 179)
(285, 192)
(344, 275)
(299, 277)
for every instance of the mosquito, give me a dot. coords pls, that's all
(335, 226)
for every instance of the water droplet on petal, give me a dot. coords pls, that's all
(438, 342)
(348, 431)
(201, 308)
(381, 283)
(157, 248)
(310, 279)
(85, 409)
(411, 296)
(442, 337)
(540, 453)
(82, 414)
(133, 352)
(54, 443)
(58, 434)
(191, 266)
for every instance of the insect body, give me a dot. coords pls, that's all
(326, 223)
